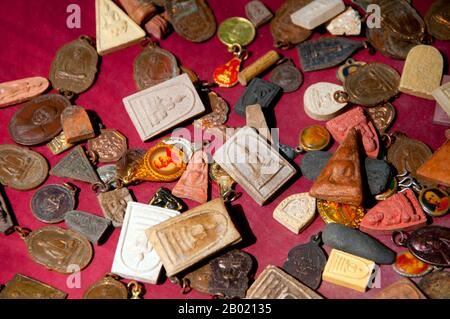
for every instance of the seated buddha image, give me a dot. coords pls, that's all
(342, 172)
(396, 211)
(434, 245)
(75, 65)
(368, 137)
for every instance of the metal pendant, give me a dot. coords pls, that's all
(21, 168)
(407, 154)
(226, 75)
(109, 287)
(435, 201)
(236, 30)
(165, 199)
(162, 163)
(114, 204)
(357, 243)
(192, 19)
(76, 124)
(285, 33)
(407, 265)
(438, 20)
(230, 274)
(373, 84)
(18, 91)
(382, 116)
(287, 76)
(59, 144)
(50, 203)
(23, 287)
(91, 226)
(6, 222)
(401, 211)
(153, 66)
(109, 146)
(259, 92)
(401, 29)
(38, 120)
(108, 175)
(57, 249)
(349, 67)
(314, 138)
(326, 52)
(306, 262)
(219, 114)
(392, 189)
(77, 166)
(345, 214)
(75, 66)
(428, 244)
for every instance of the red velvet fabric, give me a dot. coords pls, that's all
(32, 32)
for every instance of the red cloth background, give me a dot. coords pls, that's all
(32, 31)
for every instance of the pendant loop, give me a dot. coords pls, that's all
(23, 232)
(185, 286)
(341, 97)
(401, 242)
(135, 289)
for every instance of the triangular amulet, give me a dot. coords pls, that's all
(340, 180)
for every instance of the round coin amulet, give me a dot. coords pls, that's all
(434, 201)
(409, 266)
(345, 214)
(314, 138)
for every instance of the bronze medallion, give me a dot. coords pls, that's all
(430, 245)
(75, 65)
(59, 249)
(153, 66)
(436, 285)
(114, 204)
(306, 263)
(50, 203)
(285, 33)
(21, 168)
(382, 116)
(373, 84)
(109, 146)
(401, 29)
(108, 287)
(192, 19)
(438, 20)
(407, 154)
(23, 287)
(230, 274)
(38, 120)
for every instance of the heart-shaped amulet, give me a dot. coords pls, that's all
(227, 75)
